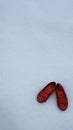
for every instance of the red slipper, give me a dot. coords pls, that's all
(46, 92)
(62, 100)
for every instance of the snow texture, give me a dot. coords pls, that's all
(36, 47)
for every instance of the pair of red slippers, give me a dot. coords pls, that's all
(62, 100)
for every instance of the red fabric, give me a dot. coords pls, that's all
(62, 100)
(46, 92)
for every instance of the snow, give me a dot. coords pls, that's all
(36, 47)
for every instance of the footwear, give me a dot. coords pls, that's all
(62, 100)
(46, 92)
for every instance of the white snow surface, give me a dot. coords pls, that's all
(36, 47)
